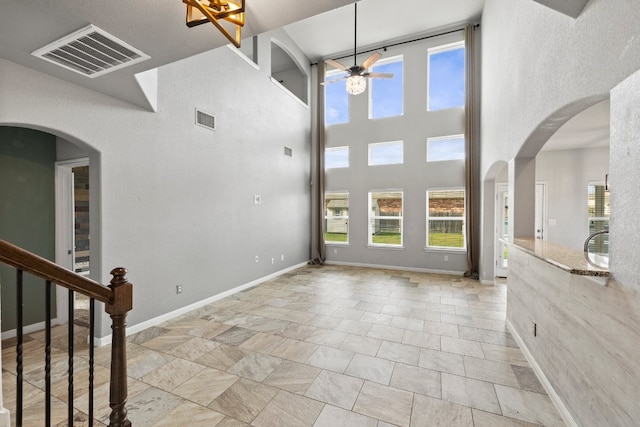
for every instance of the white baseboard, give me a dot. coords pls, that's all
(553, 395)
(175, 313)
(395, 267)
(5, 418)
(487, 282)
(27, 330)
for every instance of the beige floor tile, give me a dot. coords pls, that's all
(462, 347)
(292, 377)
(330, 358)
(376, 318)
(469, 392)
(244, 400)
(222, 357)
(194, 348)
(527, 406)
(387, 333)
(359, 344)
(407, 323)
(402, 353)
(370, 368)
(335, 389)
(418, 380)
(504, 354)
(231, 422)
(486, 336)
(255, 366)
(421, 339)
(491, 371)
(172, 374)
(487, 419)
(298, 351)
(327, 338)
(354, 327)
(289, 410)
(197, 416)
(432, 412)
(234, 336)
(527, 379)
(298, 332)
(167, 342)
(205, 387)
(439, 361)
(147, 361)
(332, 416)
(385, 403)
(150, 406)
(444, 329)
(262, 343)
(325, 322)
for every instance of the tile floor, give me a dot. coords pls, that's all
(320, 346)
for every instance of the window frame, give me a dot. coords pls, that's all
(336, 217)
(462, 219)
(381, 144)
(371, 218)
(339, 148)
(437, 50)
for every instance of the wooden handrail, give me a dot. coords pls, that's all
(33, 264)
(118, 300)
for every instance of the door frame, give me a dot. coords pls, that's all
(501, 189)
(65, 246)
(541, 212)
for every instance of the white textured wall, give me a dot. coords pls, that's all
(540, 68)
(177, 199)
(624, 243)
(413, 177)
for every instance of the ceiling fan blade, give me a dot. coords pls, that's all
(371, 60)
(333, 81)
(379, 75)
(336, 64)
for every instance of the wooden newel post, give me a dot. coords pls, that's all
(120, 305)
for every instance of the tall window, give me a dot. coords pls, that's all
(336, 217)
(599, 210)
(445, 219)
(446, 77)
(386, 153)
(385, 218)
(336, 157)
(387, 94)
(336, 99)
(445, 148)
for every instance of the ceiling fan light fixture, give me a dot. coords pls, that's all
(356, 85)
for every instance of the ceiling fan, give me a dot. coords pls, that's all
(358, 74)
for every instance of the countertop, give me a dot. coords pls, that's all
(571, 260)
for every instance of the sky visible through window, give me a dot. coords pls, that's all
(386, 94)
(336, 100)
(386, 153)
(445, 148)
(446, 79)
(336, 157)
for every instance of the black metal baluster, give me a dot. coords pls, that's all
(47, 354)
(91, 361)
(70, 348)
(19, 350)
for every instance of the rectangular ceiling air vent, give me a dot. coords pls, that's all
(91, 52)
(288, 152)
(205, 120)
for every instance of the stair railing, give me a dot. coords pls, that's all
(118, 300)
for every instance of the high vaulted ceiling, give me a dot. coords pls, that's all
(158, 29)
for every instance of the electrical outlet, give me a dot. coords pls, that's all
(335, 251)
(273, 260)
(257, 258)
(257, 199)
(446, 257)
(178, 289)
(282, 257)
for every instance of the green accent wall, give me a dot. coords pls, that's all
(27, 214)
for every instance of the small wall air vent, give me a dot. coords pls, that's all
(205, 120)
(91, 52)
(288, 151)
